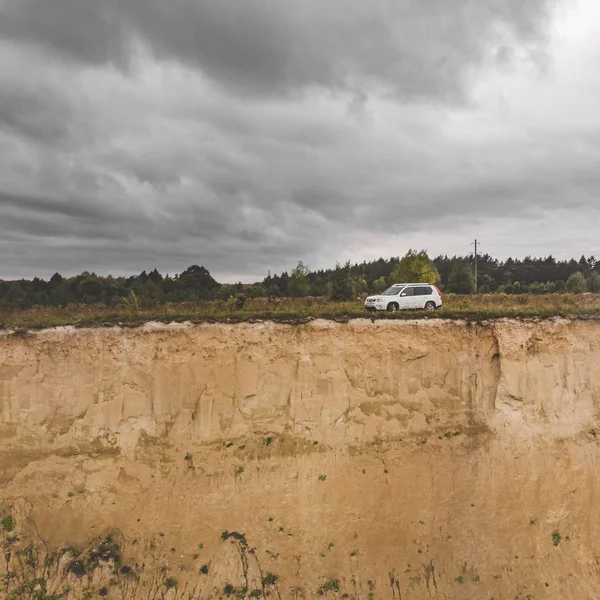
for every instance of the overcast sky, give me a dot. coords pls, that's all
(246, 135)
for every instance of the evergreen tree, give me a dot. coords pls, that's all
(461, 280)
(342, 284)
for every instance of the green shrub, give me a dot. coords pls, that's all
(228, 589)
(331, 585)
(556, 537)
(269, 579)
(170, 583)
(8, 523)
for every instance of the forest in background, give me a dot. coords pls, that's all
(342, 283)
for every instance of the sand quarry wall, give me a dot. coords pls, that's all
(387, 459)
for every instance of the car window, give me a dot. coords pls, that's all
(423, 291)
(391, 291)
(408, 291)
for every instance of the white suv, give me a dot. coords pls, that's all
(406, 295)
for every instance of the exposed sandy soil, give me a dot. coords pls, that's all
(394, 459)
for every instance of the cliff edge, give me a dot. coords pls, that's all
(408, 459)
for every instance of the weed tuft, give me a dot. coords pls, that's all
(556, 537)
(269, 579)
(8, 523)
(331, 585)
(170, 583)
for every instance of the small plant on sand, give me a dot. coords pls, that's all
(269, 579)
(556, 537)
(7, 523)
(170, 583)
(331, 585)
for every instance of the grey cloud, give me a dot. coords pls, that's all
(87, 30)
(75, 219)
(33, 112)
(415, 50)
(77, 209)
(303, 148)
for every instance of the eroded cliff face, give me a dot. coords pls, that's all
(374, 459)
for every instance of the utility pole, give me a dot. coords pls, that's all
(475, 242)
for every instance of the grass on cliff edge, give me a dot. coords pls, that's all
(474, 307)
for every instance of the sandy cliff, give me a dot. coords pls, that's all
(424, 459)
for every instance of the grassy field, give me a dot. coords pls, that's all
(475, 308)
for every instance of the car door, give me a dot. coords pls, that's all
(407, 298)
(423, 295)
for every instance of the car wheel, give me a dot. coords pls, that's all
(430, 306)
(392, 307)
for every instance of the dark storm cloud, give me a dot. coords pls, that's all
(82, 30)
(80, 209)
(414, 49)
(247, 135)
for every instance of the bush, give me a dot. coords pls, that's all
(379, 285)
(269, 579)
(576, 283)
(8, 523)
(170, 582)
(556, 537)
(331, 585)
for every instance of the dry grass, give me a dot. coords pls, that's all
(475, 307)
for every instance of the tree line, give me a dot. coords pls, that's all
(343, 282)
